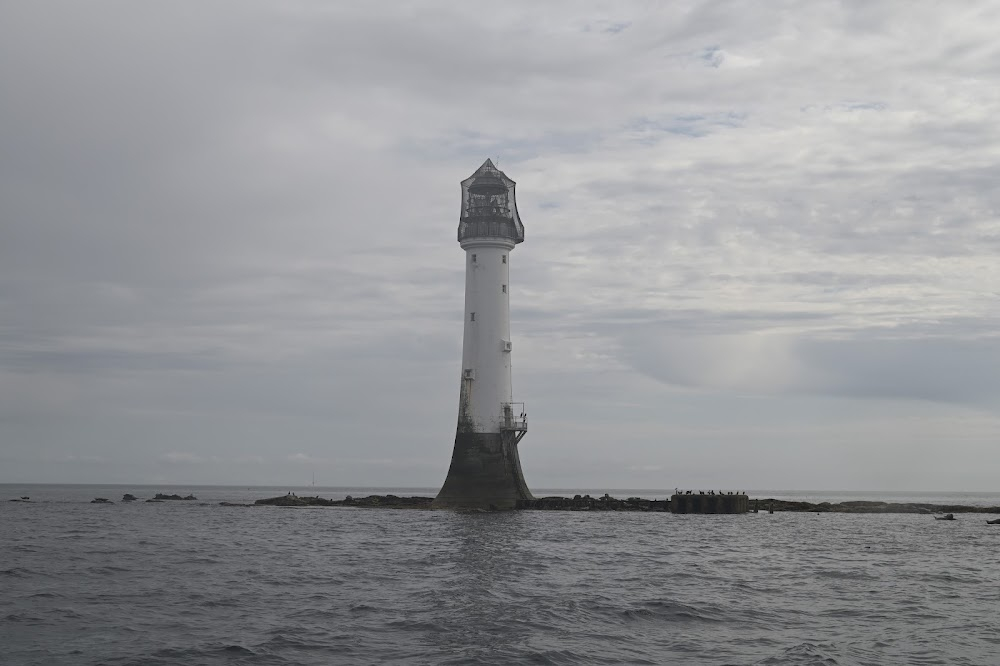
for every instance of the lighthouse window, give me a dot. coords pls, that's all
(504, 287)
(504, 258)
(472, 316)
(473, 258)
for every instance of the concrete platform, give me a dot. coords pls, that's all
(709, 503)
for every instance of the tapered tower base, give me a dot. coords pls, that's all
(485, 473)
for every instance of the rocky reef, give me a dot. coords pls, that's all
(867, 507)
(379, 501)
(609, 503)
(161, 496)
(588, 503)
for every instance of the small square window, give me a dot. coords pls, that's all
(472, 316)
(504, 287)
(503, 257)
(473, 258)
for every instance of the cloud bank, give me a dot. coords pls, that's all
(761, 241)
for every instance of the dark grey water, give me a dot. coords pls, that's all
(186, 583)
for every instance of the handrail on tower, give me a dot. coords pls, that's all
(508, 422)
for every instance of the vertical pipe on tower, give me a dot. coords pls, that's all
(485, 471)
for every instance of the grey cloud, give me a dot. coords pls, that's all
(72, 362)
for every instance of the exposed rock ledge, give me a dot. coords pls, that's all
(868, 507)
(380, 501)
(608, 503)
(588, 503)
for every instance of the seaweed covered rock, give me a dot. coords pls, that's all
(389, 502)
(588, 503)
(294, 500)
(380, 501)
(859, 506)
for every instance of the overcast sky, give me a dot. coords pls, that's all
(761, 240)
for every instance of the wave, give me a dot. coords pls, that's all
(672, 611)
(802, 654)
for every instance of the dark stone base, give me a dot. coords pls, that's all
(485, 473)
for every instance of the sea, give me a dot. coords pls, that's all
(191, 583)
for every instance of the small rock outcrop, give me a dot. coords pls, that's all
(128, 497)
(161, 496)
(101, 500)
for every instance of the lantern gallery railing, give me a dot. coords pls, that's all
(517, 425)
(491, 228)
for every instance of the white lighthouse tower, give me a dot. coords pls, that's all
(485, 468)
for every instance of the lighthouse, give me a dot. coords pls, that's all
(485, 467)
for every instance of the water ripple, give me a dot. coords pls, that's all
(152, 584)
